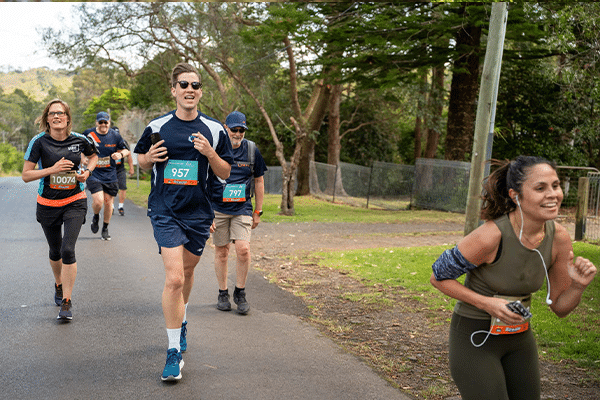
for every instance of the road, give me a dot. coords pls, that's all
(115, 347)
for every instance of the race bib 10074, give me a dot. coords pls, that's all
(64, 181)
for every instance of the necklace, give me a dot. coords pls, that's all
(518, 229)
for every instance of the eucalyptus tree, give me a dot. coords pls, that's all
(549, 106)
(206, 34)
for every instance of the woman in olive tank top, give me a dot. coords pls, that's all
(492, 351)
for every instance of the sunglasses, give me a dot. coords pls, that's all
(237, 130)
(56, 113)
(103, 122)
(184, 85)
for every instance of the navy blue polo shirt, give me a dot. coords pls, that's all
(179, 186)
(241, 174)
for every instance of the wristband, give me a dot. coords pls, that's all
(258, 212)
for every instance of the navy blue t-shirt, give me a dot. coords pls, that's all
(46, 151)
(111, 142)
(179, 186)
(241, 174)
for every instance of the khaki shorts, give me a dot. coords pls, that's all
(230, 228)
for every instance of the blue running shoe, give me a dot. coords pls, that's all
(58, 294)
(172, 371)
(182, 338)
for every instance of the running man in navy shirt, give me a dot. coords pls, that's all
(103, 184)
(234, 218)
(183, 148)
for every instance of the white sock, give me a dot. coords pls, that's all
(174, 335)
(185, 313)
(120, 205)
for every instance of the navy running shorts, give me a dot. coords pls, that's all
(172, 232)
(95, 186)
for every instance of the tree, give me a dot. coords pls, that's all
(190, 30)
(113, 100)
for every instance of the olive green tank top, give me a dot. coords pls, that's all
(518, 271)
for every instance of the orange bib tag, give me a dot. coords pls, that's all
(498, 327)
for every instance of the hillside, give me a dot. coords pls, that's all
(35, 82)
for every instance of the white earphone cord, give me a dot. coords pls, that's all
(548, 301)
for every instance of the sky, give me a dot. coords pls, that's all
(20, 41)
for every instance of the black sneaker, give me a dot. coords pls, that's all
(223, 303)
(121, 211)
(239, 298)
(95, 226)
(58, 294)
(65, 313)
(105, 235)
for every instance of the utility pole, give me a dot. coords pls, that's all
(486, 112)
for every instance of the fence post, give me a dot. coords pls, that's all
(582, 207)
(369, 188)
(335, 182)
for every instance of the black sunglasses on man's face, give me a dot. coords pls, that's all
(195, 85)
(237, 130)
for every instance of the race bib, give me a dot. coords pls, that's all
(103, 162)
(234, 193)
(181, 172)
(63, 181)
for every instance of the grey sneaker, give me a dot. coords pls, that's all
(223, 303)
(65, 313)
(239, 298)
(105, 235)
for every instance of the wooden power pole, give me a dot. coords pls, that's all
(486, 106)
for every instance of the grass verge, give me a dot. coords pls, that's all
(408, 269)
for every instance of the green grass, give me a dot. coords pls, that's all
(575, 337)
(311, 209)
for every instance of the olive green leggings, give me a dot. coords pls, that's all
(506, 367)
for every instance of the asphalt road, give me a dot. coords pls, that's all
(115, 347)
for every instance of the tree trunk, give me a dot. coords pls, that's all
(436, 107)
(463, 95)
(335, 185)
(421, 121)
(306, 155)
(314, 114)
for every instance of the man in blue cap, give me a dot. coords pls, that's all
(103, 184)
(234, 216)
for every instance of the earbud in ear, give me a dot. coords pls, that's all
(548, 301)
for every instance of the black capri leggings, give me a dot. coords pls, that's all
(52, 220)
(506, 367)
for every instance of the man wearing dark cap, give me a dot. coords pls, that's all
(234, 216)
(103, 183)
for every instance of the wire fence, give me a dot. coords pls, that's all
(429, 184)
(592, 225)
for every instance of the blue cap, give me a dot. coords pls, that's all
(236, 119)
(102, 116)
